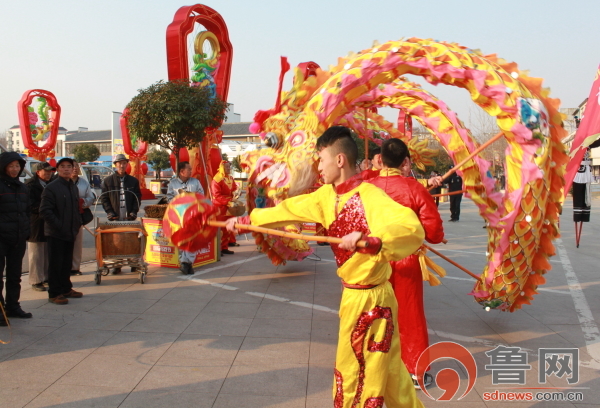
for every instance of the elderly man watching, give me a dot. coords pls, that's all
(121, 195)
(60, 211)
(184, 182)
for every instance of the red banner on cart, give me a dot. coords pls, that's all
(160, 251)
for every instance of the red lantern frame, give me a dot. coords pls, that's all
(35, 151)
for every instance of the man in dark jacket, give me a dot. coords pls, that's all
(121, 195)
(14, 231)
(455, 183)
(61, 213)
(36, 245)
(117, 199)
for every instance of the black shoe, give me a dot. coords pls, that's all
(227, 252)
(185, 268)
(116, 271)
(20, 313)
(427, 381)
(234, 244)
(134, 269)
(452, 220)
(75, 273)
(39, 287)
(190, 269)
(323, 243)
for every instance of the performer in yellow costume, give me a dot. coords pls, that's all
(368, 371)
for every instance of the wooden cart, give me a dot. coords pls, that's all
(120, 244)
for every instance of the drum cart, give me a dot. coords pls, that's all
(120, 244)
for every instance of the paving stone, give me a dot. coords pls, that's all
(167, 397)
(104, 370)
(72, 339)
(284, 380)
(280, 328)
(79, 396)
(206, 350)
(185, 375)
(257, 350)
(153, 323)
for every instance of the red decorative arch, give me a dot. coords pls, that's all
(35, 151)
(178, 67)
(177, 55)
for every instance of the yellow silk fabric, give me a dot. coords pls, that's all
(398, 227)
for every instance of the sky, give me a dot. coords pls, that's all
(95, 56)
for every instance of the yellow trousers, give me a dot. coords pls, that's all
(368, 370)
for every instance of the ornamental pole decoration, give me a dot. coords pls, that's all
(136, 150)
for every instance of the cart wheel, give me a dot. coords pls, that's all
(142, 277)
(98, 277)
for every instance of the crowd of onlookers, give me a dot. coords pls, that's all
(46, 216)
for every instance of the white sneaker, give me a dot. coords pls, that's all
(427, 380)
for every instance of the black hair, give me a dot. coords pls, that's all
(393, 153)
(374, 152)
(340, 138)
(181, 166)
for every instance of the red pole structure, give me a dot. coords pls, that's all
(137, 155)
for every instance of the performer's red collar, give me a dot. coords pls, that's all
(349, 184)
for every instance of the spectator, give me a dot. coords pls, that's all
(36, 245)
(184, 182)
(436, 190)
(455, 184)
(14, 231)
(118, 205)
(86, 199)
(370, 168)
(60, 211)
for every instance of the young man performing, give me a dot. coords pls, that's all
(368, 371)
(407, 276)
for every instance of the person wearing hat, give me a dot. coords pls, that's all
(62, 220)
(14, 231)
(121, 195)
(36, 244)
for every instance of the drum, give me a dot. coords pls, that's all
(121, 244)
(238, 208)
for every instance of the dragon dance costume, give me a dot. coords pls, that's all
(367, 370)
(408, 274)
(222, 187)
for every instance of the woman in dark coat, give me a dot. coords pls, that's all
(14, 231)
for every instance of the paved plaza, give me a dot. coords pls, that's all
(245, 333)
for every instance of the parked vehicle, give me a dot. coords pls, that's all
(95, 174)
